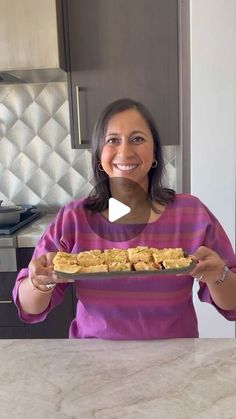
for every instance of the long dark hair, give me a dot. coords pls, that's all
(98, 201)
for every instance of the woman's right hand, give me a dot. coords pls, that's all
(41, 271)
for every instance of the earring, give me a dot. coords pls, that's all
(100, 168)
(154, 164)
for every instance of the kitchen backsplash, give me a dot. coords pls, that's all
(37, 164)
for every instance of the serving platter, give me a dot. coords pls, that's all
(120, 274)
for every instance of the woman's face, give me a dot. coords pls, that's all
(128, 148)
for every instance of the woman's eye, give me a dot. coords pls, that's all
(137, 140)
(112, 140)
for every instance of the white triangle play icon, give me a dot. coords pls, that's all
(117, 209)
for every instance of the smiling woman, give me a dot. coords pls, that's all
(128, 152)
(126, 144)
(128, 166)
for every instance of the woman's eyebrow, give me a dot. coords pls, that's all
(132, 133)
(138, 132)
(111, 133)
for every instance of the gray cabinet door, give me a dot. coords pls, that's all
(58, 320)
(10, 325)
(123, 48)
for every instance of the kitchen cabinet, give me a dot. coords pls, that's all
(32, 45)
(58, 321)
(55, 326)
(10, 324)
(120, 49)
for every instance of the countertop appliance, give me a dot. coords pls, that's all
(26, 217)
(8, 239)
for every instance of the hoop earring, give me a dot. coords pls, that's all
(100, 168)
(154, 164)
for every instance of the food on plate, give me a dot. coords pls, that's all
(162, 254)
(67, 268)
(177, 263)
(147, 266)
(65, 258)
(140, 258)
(119, 266)
(93, 268)
(115, 255)
(140, 254)
(90, 258)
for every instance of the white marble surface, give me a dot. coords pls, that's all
(29, 236)
(87, 379)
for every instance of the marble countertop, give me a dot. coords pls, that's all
(87, 379)
(28, 236)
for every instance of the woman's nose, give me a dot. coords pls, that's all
(125, 149)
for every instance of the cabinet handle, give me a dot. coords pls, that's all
(78, 114)
(6, 301)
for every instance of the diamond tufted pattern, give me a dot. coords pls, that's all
(37, 164)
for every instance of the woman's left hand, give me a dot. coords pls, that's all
(209, 265)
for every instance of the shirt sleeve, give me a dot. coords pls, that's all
(51, 241)
(217, 240)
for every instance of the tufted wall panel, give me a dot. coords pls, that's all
(37, 164)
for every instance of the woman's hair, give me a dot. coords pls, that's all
(98, 201)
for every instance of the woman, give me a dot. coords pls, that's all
(127, 159)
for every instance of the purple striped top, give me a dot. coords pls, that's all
(148, 307)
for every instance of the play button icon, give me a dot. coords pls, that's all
(121, 210)
(117, 209)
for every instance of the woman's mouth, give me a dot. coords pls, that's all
(126, 167)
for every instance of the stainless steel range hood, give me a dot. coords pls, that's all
(31, 41)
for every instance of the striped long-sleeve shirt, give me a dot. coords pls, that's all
(145, 307)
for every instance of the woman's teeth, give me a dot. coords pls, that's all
(126, 166)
